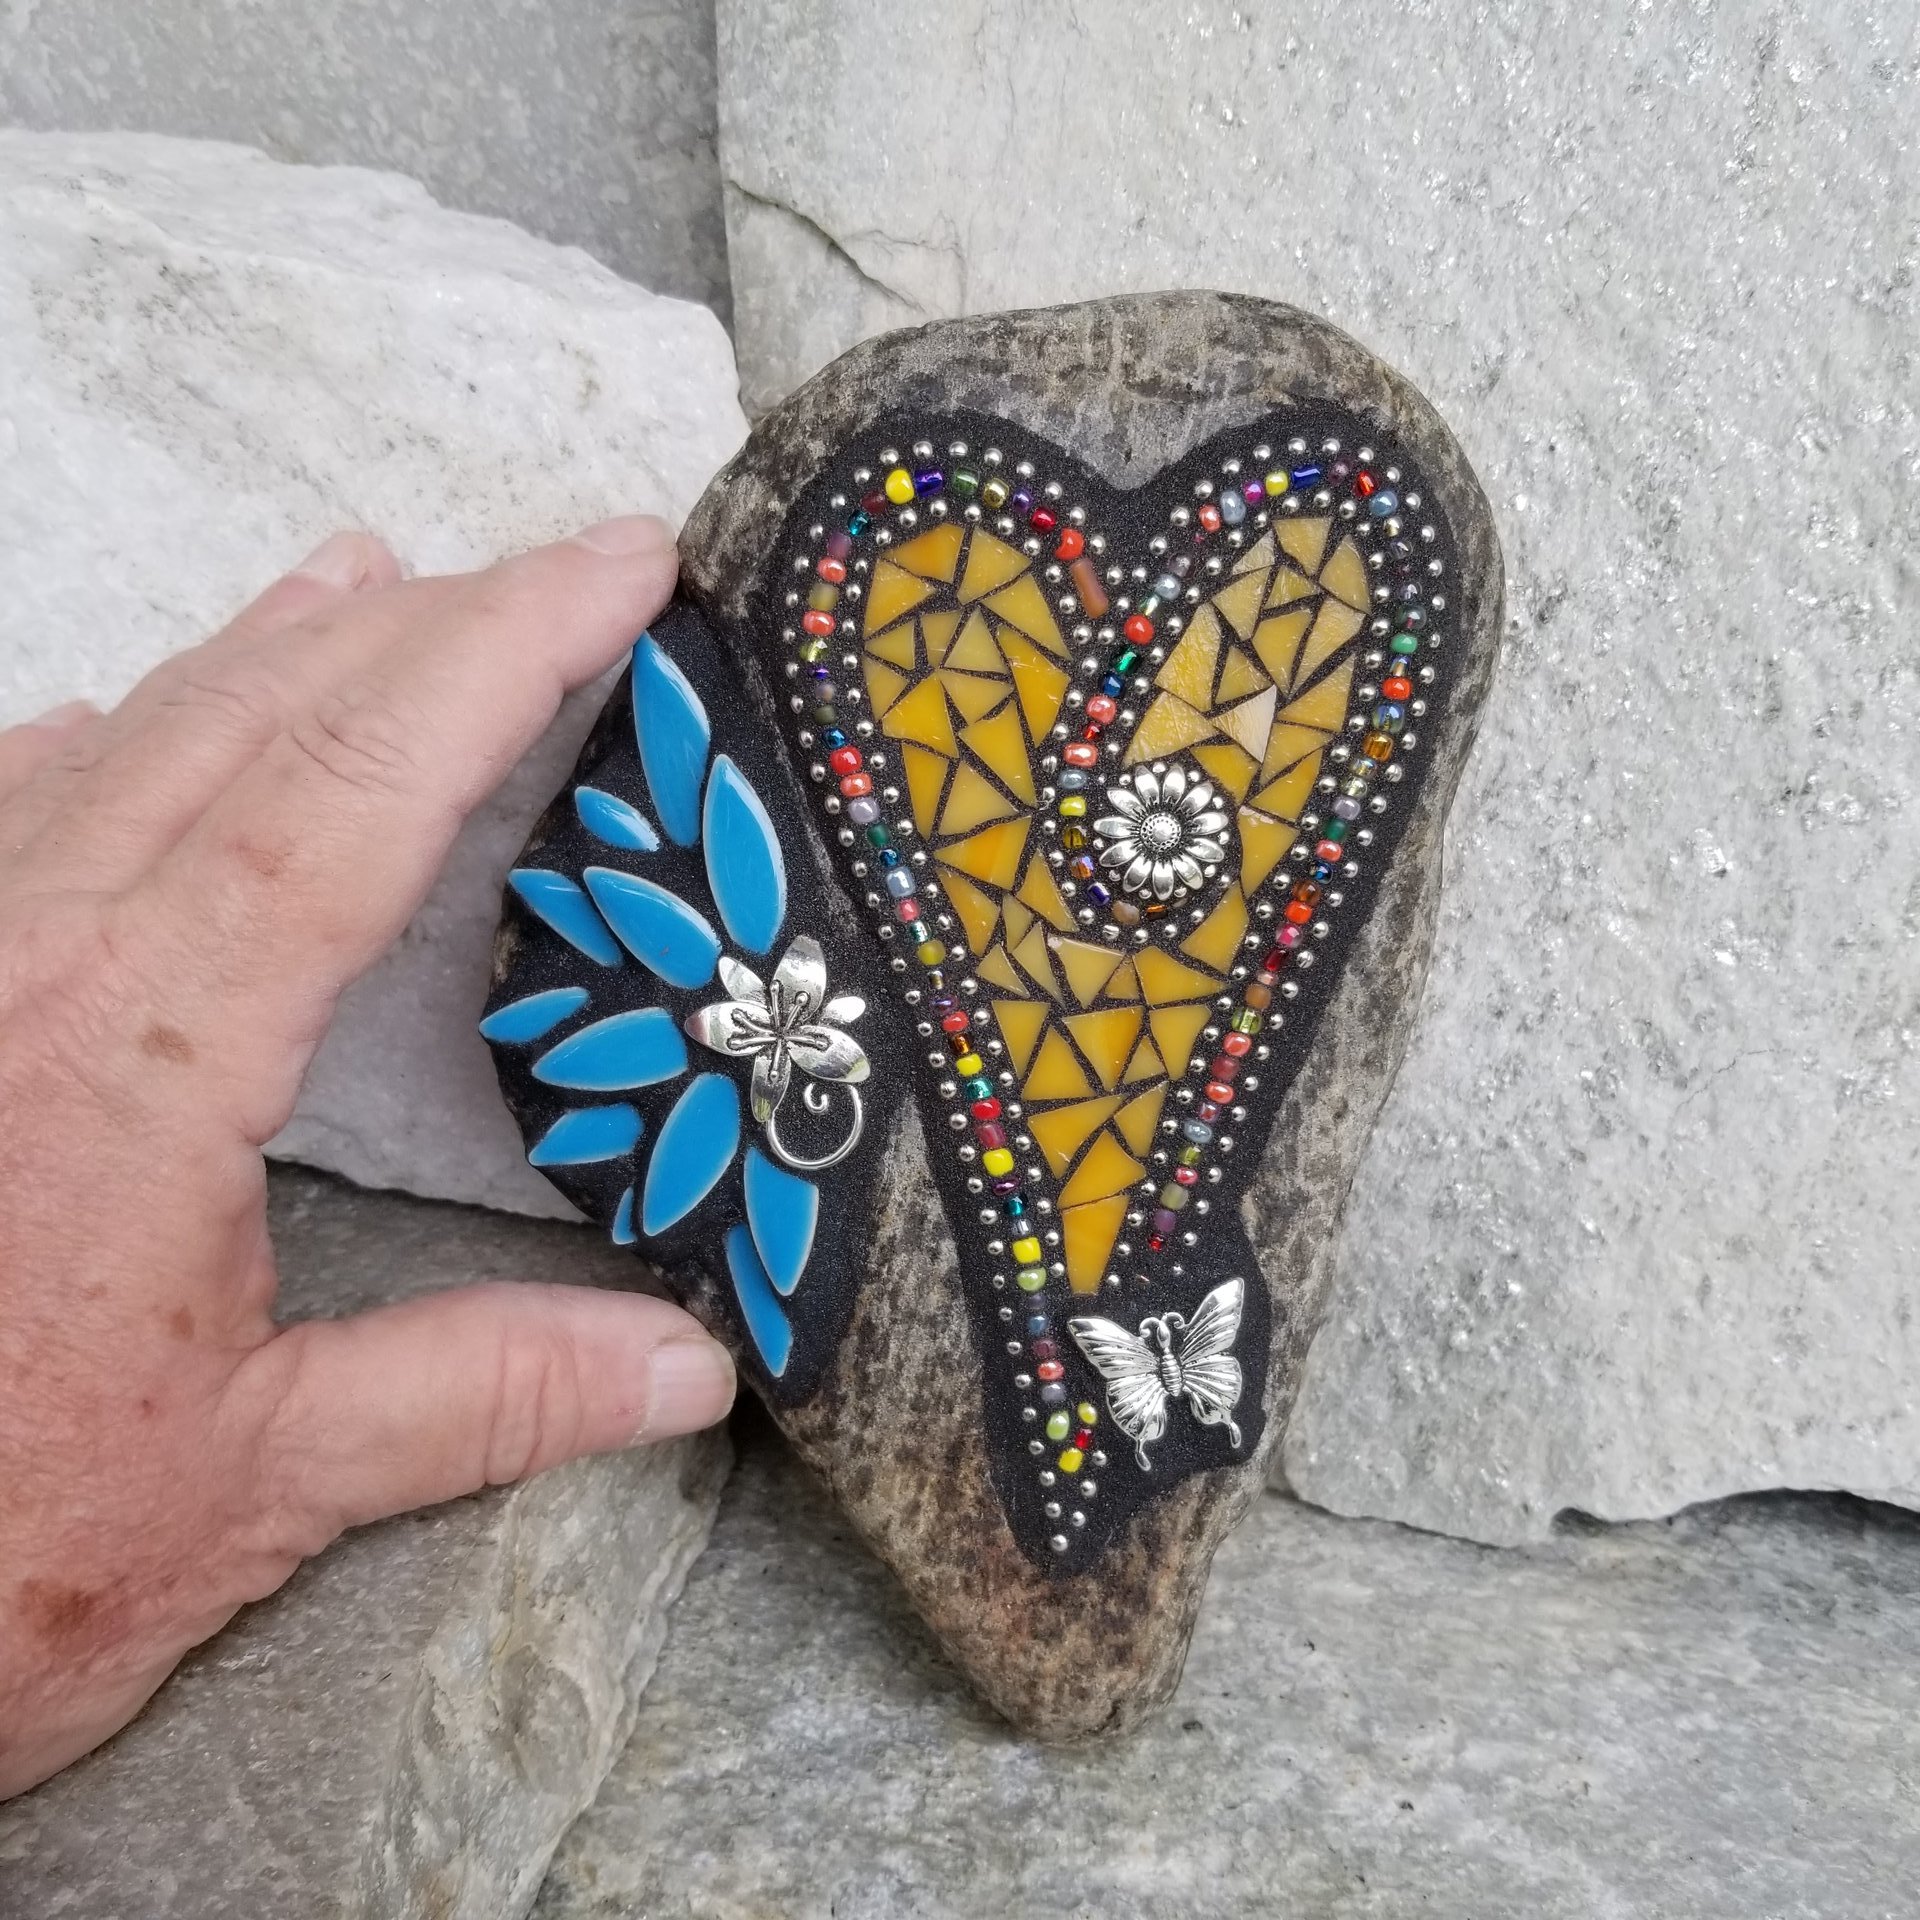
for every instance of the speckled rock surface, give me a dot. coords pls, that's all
(591, 124)
(1702, 1720)
(211, 362)
(1636, 1228)
(1126, 386)
(405, 1731)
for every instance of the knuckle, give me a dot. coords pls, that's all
(245, 697)
(361, 741)
(537, 1405)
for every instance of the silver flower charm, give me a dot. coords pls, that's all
(1163, 831)
(790, 1023)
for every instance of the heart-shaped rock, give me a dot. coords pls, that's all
(981, 930)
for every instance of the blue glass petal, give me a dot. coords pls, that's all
(588, 1133)
(528, 1019)
(671, 726)
(625, 1050)
(695, 1145)
(759, 1306)
(782, 1210)
(609, 818)
(658, 927)
(623, 1234)
(560, 903)
(745, 867)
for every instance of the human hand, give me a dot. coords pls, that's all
(186, 886)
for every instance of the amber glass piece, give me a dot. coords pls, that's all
(926, 776)
(1333, 626)
(1021, 1024)
(998, 971)
(1231, 767)
(899, 646)
(1251, 721)
(1055, 1073)
(1124, 985)
(1040, 684)
(1163, 978)
(1146, 1064)
(1105, 1168)
(1264, 843)
(991, 564)
(936, 633)
(972, 695)
(974, 649)
(1170, 724)
(894, 592)
(1087, 1235)
(1289, 585)
(1138, 1120)
(1216, 940)
(1287, 745)
(1042, 893)
(1345, 576)
(885, 684)
(1174, 1031)
(1239, 601)
(979, 911)
(1018, 919)
(1287, 796)
(1277, 642)
(1034, 952)
(992, 854)
(934, 554)
(1240, 675)
(1060, 1133)
(1023, 605)
(1323, 705)
(972, 801)
(1001, 747)
(1259, 556)
(1304, 541)
(922, 716)
(1189, 669)
(1106, 1038)
(1088, 968)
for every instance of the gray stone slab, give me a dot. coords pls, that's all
(1636, 1228)
(408, 1727)
(590, 123)
(1705, 1717)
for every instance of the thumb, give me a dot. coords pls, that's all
(476, 1387)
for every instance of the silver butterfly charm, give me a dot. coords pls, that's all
(1170, 1358)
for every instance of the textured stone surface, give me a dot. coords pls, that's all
(1636, 1228)
(211, 362)
(590, 124)
(410, 1725)
(1704, 1718)
(1126, 386)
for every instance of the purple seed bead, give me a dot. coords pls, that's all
(1053, 1394)
(1022, 502)
(1007, 1185)
(1347, 809)
(839, 545)
(864, 811)
(928, 480)
(1165, 1221)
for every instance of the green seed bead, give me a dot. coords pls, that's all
(1247, 1021)
(1058, 1426)
(1030, 1279)
(1404, 643)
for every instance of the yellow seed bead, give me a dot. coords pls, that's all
(997, 1160)
(1026, 1252)
(1088, 1412)
(1073, 807)
(932, 952)
(899, 486)
(968, 1065)
(1072, 1460)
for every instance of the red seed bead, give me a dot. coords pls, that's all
(875, 503)
(1219, 1093)
(1236, 1046)
(1045, 1349)
(1364, 484)
(987, 1109)
(1225, 1067)
(1209, 517)
(1103, 707)
(832, 569)
(1187, 1176)
(1139, 629)
(1299, 913)
(1072, 544)
(1273, 960)
(1083, 1439)
(1049, 1370)
(1042, 519)
(1080, 753)
(845, 760)
(817, 623)
(1327, 850)
(856, 784)
(1207, 1110)
(954, 1022)
(1397, 687)
(990, 1133)
(907, 910)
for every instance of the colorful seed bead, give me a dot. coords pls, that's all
(1058, 1425)
(1074, 807)
(907, 910)
(1043, 520)
(1209, 517)
(966, 483)
(832, 569)
(987, 1109)
(855, 785)
(1072, 839)
(1396, 687)
(1103, 708)
(1050, 1370)
(1324, 850)
(932, 951)
(1256, 994)
(1071, 545)
(1088, 1415)
(1086, 583)
(1138, 629)
(899, 486)
(1072, 1460)
(1236, 1045)
(990, 1133)
(1378, 746)
(901, 883)
(928, 480)
(1030, 1279)
(996, 1160)
(982, 1092)
(1404, 644)
(1080, 753)
(1233, 507)
(966, 1066)
(846, 760)
(1187, 1176)
(994, 494)
(817, 623)
(1026, 1252)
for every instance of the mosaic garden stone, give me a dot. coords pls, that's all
(980, 931)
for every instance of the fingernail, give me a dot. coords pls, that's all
(56, 719)
(691, 1387)
(340, 560)
(632, 533)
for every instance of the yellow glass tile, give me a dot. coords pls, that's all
(1124, 985)
(974, 649)
(1018, 919)
(1189, 669)
(885, 684)
(1059, 1134)
(936, 633)
(998, 971)
(934, 554)
(897, 646)
(1239, 677)
(1039, 683)
(1021, 1024)
(1287, 745)
(1232, 768)
(1239, 602)
(991, 563)
(1287, 796)
(1105, 1168)
(1001, 747)
(1087, 1235)
(1088, 968)
(926, 775)
(1042, 893)
(1304, 541)
(1106, 1038)
(972, 801)
(1260, 554)
(1139, 1119)
(1345, 576)
(1323, 704)
(992, 854)
(979, 912)
(1216, 940)
(1146, 1064)
(1163, 978)
(1033, 951)
(1333, 626)
(1278, 642)
(1023, 605)
(1175, 1029)
(972, 695)
(1264, 843)
(1056, 1074)
(1169, 725)
(922, 716)
(1289, 585)
(1251, 721)
(894, 592)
